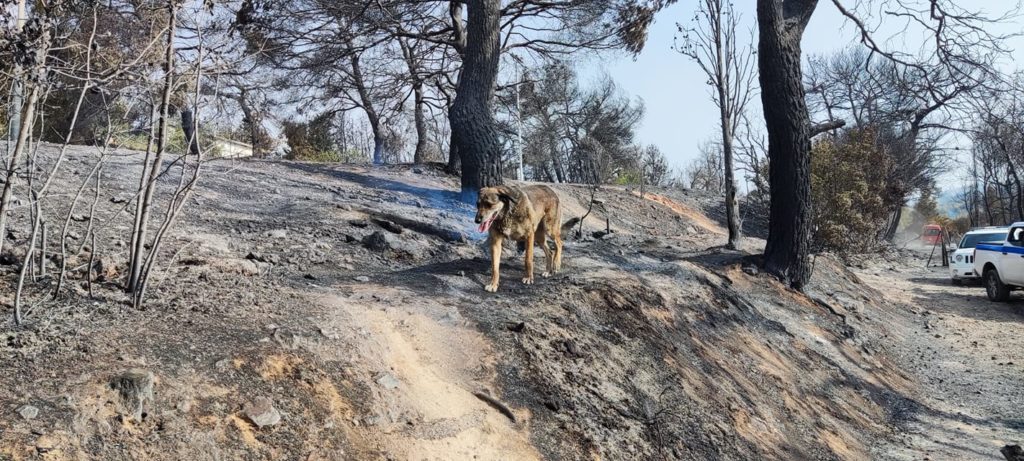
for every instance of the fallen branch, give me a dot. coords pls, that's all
(496, 404)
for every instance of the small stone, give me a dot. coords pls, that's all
(388, 381)
(360, 223)
(361, 278)
(223, 365)
(750, 270)
(278, 234)
(28, 411)
(46, 443)
(261, 412)
(417, 170)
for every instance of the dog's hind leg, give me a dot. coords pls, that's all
(529, 259)
(555, 230)
(495, 263)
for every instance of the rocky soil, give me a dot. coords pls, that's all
(305, 311)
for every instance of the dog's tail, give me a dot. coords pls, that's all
(570, 224)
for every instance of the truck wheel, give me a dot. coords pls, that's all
(995, 288)
(957, 282)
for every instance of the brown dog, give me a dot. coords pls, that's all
(526, 214)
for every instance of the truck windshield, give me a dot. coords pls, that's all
(972, 240)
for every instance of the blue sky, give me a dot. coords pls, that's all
(680, 114)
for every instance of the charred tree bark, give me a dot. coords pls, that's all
(732, 206)
(419, 102)
(26, 118)
(366, 101)
(189, 126)
(454, 160)
(152, 170)
(258, 135)
(419, 156)
(474, 133)
(781, 26)
(894, 224)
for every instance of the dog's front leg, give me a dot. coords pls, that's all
(495, 263)
(529, 259)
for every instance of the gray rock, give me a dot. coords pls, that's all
(387, 381)
(28, 411)
(261, 412)
(278, 234)
(135, 387)
(378, 241)
(361, 279)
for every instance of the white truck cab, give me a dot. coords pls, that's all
(961, 262)
(1001, 265)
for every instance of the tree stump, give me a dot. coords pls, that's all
(135, 387)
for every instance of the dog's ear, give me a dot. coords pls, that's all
(508, 194)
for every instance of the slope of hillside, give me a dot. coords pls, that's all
(308, 311)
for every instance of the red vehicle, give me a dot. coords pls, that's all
(931, 234)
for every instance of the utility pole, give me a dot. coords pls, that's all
(17, 89)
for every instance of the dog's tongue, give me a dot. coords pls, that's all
(484, 226)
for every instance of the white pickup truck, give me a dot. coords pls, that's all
(1001, 265)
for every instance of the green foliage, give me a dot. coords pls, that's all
(847, 191)
(628, 178)
(311, 141)
(926, 205)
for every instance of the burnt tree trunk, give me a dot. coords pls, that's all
(421, 123)
(894, 223)
(474, 133)
(253, 118)
(454, 160)
(413, 64)
(781, 25)
(189, 127)
(366, 102)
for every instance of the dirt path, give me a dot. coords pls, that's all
(426, 367)
(968, 355)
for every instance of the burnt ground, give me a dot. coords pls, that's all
(352, 298)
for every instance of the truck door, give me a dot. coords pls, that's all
(1011, 266)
